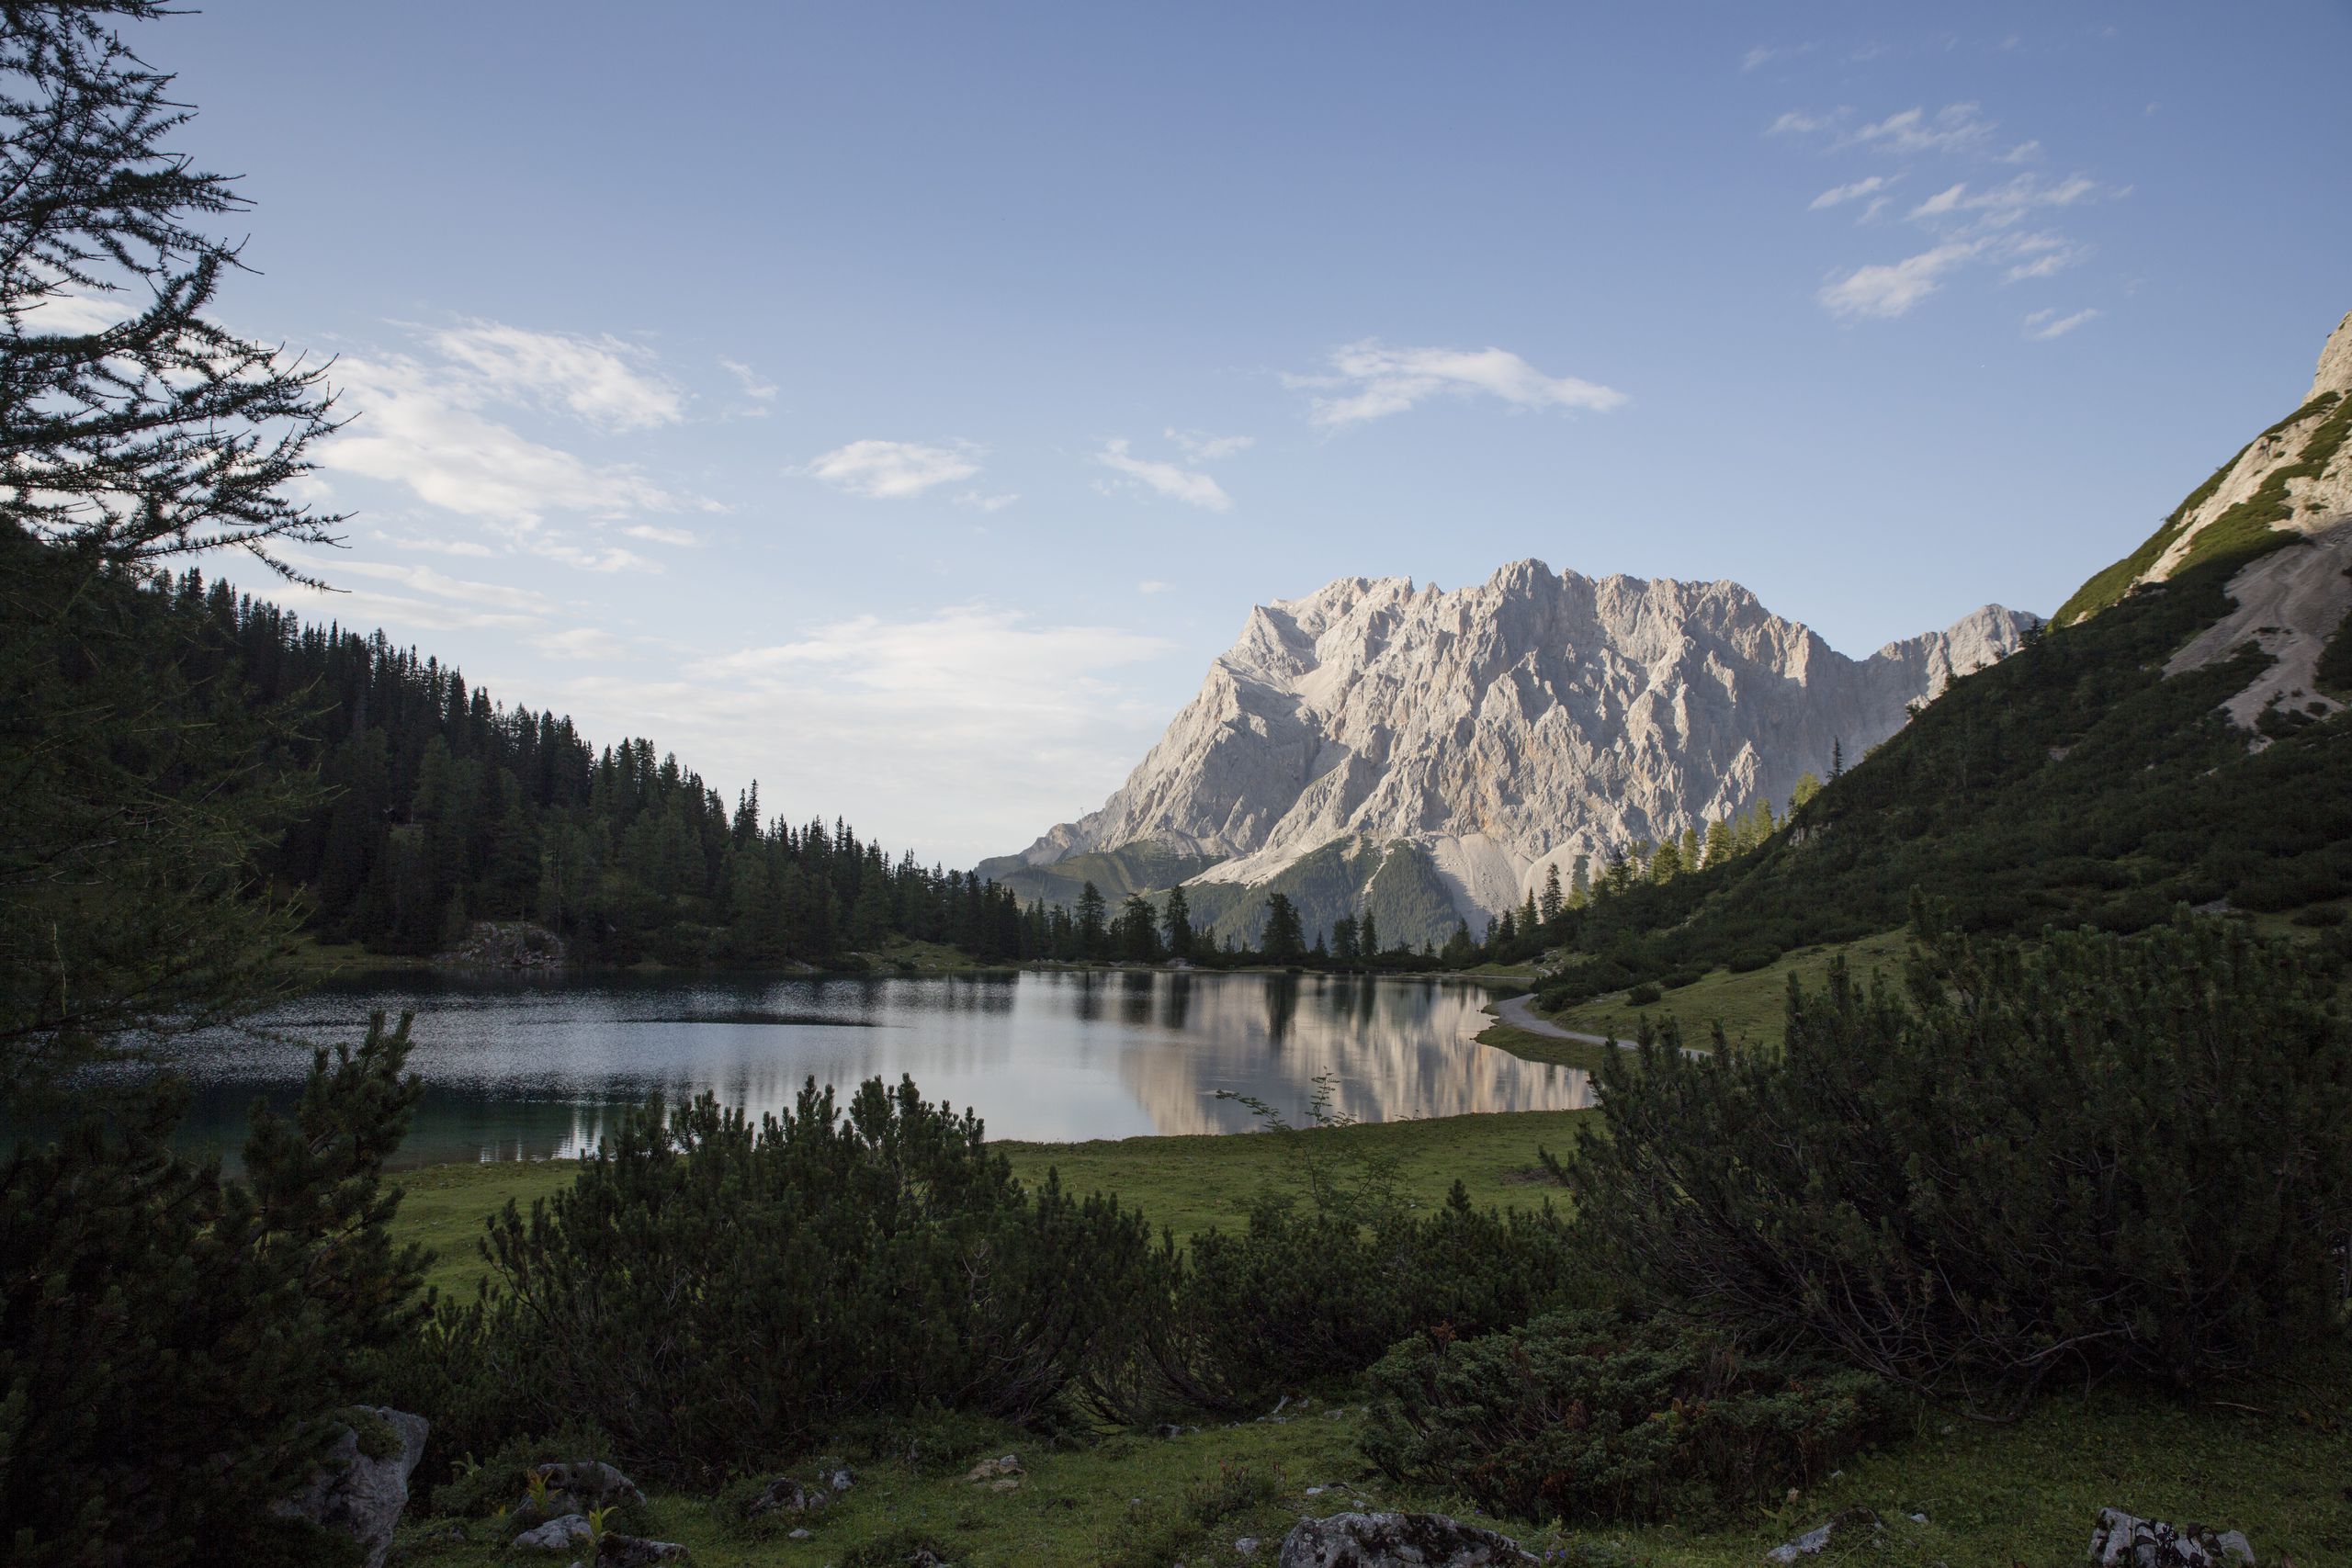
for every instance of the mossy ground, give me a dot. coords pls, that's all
(2273, 1458)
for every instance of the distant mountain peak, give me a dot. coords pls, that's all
(1504, 727)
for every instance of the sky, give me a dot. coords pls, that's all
(901, 405)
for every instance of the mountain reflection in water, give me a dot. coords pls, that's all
(542, 1066)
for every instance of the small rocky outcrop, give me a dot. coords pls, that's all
(1816, 1541)
(2121, 1540)
(363, 1486)
(505, 944)
(1396, 1540)
(783, 1495)
(558, 1534)
(636, 1551)
(581, 1484)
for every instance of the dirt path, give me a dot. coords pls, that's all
(1520, 1014)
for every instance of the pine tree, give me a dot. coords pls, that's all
(1091, 931)
(1179, 918)
(1719, 842)
(1283, 941)
(1552, 902)
(1368, 937)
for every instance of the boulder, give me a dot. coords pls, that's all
(785, 1495)
(1396, 1540)
(582, 1484)
(2121, 1540)
(999, 1470)
(556, 1535)
(363, 1486)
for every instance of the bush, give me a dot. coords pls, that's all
(2103, 1153)
(174, 1346)
(715, 1297)
(1643, 997)
(1748, 960)
(1311, 1291)
(1588, 1417)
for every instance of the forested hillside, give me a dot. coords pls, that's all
(441, 808)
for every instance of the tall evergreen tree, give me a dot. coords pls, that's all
(1553, 901)
(1284, 941)
(1179, 920)
(1092, 928)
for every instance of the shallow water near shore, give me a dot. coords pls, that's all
(540, 1066)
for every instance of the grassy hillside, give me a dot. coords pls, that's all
(1752, 1007)
(2267, 1457)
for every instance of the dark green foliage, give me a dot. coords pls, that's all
(2071, 783)
(1643, 995)
(1588, 1417)
(1151, 1535)
(2335, 671)
(1310, 1290)
(172, 1346)
(2100, 1154)
(714, 1295)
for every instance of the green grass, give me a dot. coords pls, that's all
(1186, 1184)
(2271, 1458)
(1994, 1495)
(1752, 1007)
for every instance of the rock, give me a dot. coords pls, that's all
(839, 1480)
(556, 1535)
(1816, 1540)
(362, 1487)
(634, 1551)
(994, 1469)
(783, 1495)
(803, 1533)
(1499, 729)
(1396, 1540)
(1170, 1429)
(2123, 1540)
(582, 1484)
(1246, 1546)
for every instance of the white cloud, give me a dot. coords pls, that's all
(979, 503)
(1954, 128)
(1837, 195)
(592, 557)
(1376, 381)
(2005, 203)
(394, 612)
(1885, 290)
(1202, 448)
(1173, 480)
(653, 535)
(2023, 152)
(424, 580)
(1796, 122)
(581, 642)
(426, 428)
(595, 378)
(2043, 325)
(70, 310)
(891, 470)
(1153, 585)
(755, 385)
(2039, 255)
(435, 546)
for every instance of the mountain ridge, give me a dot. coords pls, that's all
(1499, 729)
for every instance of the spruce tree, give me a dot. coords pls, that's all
(1368, 937)
(1179, 918)
(1091, 931)
(1552, 902)
(1284, 941)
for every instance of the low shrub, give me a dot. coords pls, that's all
(2100, 1153)
(1589, 1417)
(1643, 997)
(1748, 960)
(1151, 1535)
(715, 1297)
(1311, 1291)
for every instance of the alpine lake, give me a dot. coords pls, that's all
(544, 1066)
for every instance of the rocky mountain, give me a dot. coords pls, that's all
(1430, 753)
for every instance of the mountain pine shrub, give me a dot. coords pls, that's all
(713, 1296)
(2097, 1154)
(1586, 1416)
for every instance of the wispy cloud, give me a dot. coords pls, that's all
(472, 548)
(979, 503)
(652, 535)
(1153, 585)
(1836, 196)
(1954, 128)
(1798, 122)
(429, 427)
(2043, 325)
(1202, 448)
(1172, 479)
(2005, 203)
(1371, 380)
(756, 386)
(582, 643)
(1887, 289)
(893, 470)
(600, 380)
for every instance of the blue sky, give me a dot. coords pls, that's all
(901, 405)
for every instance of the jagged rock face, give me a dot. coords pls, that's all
(1509, 727)
(2314, 502)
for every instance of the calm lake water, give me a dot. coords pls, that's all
(539, 1066)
